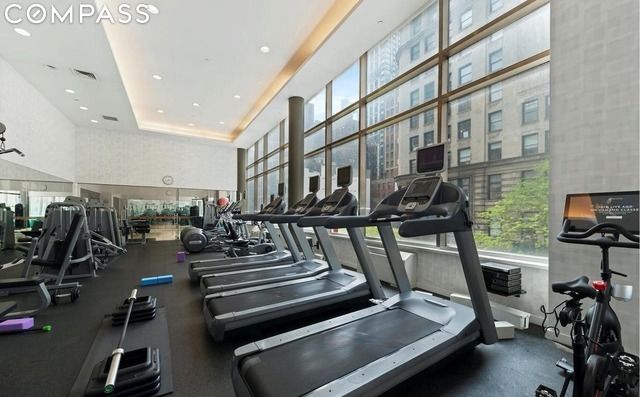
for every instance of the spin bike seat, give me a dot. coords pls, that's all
(578, 288)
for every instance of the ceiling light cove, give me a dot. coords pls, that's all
(157, 77)
(22, 32)
(265, 49)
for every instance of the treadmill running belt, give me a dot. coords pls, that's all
(252, 276)
(299, 367)
(240, 302)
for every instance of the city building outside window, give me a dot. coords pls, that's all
(430, 44)
(530, 111)
(465, 74)
(547, 106)
(465, 185)
(464, 156)
(412, 166)
(464, 129)
(530, 144)
(495, 60)
(495, 187)
(495, 151)
(547, 141)
(495, 121)
(528, 174)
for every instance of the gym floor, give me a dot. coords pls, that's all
(46, 364)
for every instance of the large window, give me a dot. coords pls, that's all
(496, 86)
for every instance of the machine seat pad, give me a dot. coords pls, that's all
(579, 286)
(21, 282)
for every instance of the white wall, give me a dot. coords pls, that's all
(594, 130)
(144, 158)
(36, 127)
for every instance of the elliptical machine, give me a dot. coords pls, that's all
(601, 367)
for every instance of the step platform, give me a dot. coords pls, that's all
(153, 334)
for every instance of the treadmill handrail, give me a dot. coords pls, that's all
(313, 221)
(361, 221)
(293, 218)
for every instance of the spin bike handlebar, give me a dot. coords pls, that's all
(566, 236)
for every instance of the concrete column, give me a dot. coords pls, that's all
(296, 149)
(241, 183)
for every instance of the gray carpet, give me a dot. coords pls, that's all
(37, 364)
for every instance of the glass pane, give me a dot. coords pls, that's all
(388, 156)
(314, 110)
(491, 158)
(314, 141)
(345, 126)
(251, 154)
(345, 88)
(522, 39)
(251, 172)
(414, 92)
(286, 132)
(315, 166)
(259, 167)
(273, 160)
(409, 45)
(286, 155)
(465, 16)
(259, 197)
(272, 183)
(251, 200)
(341, 156)
(260, 148)
(273, 139)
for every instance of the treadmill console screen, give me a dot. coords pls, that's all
(331, 204)
(281, 189)
(419, 194)
(314, 184)
(431, 159)
(583, 211)
(304, 203)
(344, 176)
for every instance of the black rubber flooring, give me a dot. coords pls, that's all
(39, 364)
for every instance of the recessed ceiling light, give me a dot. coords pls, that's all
(190, 124)
(236, 96)
(381, 21)
(157, 77)
(196, 105)
(265, 49)
(22, 32)
(153, 9)
(94, 121)
(221, 122)
(160, 111)
(84, 108)
(69, 91)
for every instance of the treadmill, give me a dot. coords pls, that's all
(229, 310)
(309, 266)
(201, 267)
(367, 352)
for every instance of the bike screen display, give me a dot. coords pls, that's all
(584, 211)
(422, 188)
(431, 159)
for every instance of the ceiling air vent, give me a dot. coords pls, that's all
(50, 67)
(110, 118)
(83, 74)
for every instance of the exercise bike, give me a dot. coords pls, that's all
(601, 367)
